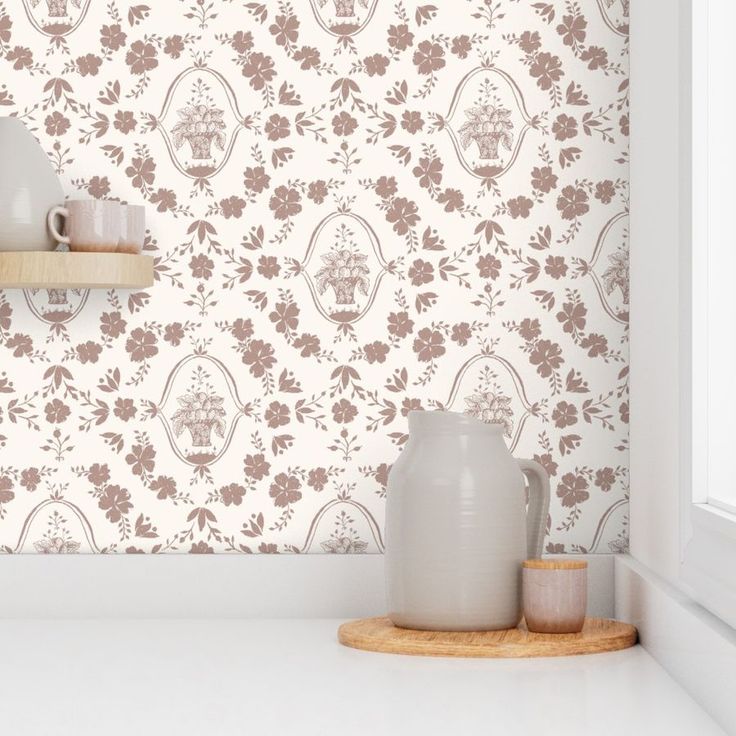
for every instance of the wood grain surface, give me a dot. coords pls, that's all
(555, 564)
(380, 635)
(51, 270)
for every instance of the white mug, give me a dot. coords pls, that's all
(92, 225)
(132, 228)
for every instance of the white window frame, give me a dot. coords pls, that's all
(708, 529)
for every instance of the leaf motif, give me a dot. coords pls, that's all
(138, 13)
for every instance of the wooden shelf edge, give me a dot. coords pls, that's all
(52, 270)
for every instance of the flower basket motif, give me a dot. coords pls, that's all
(57, 296)
(344, 271)
(345, 8)
(56, 546)
(624, 5)
(487, 126)
(200, 126)
(344, 545)
(58, 8)
(57, 539)
(56, 307)
(616, 276)
(491, 408)
(200, 413)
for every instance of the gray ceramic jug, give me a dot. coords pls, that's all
(457, 529)
(29, 188)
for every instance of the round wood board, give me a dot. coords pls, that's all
(380, 635)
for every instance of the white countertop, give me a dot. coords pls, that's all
(284, 677)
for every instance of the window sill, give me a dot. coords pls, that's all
(707, 569)
(696, 648)
(728, 508)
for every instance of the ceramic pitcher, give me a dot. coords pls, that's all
(458, 527)
(29, 187)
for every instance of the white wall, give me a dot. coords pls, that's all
(216, 586)
(659, 231)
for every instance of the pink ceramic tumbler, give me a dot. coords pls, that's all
(555, 595)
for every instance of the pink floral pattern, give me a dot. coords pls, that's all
(357, 209)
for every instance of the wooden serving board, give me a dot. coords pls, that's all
(380, 635)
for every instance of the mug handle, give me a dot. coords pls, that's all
(53, 212)
(536, 516)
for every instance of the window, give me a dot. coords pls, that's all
(709, 555)
(720, 231)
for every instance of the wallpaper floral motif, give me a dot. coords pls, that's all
(357, 208)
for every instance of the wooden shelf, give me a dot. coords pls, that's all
(51, 270)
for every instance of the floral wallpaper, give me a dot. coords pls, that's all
(357, 208)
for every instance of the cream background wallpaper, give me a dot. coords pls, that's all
(356, 209)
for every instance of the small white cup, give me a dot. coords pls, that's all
(91, 225)
(132, 228)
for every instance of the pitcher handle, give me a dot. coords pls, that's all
(536, 515)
